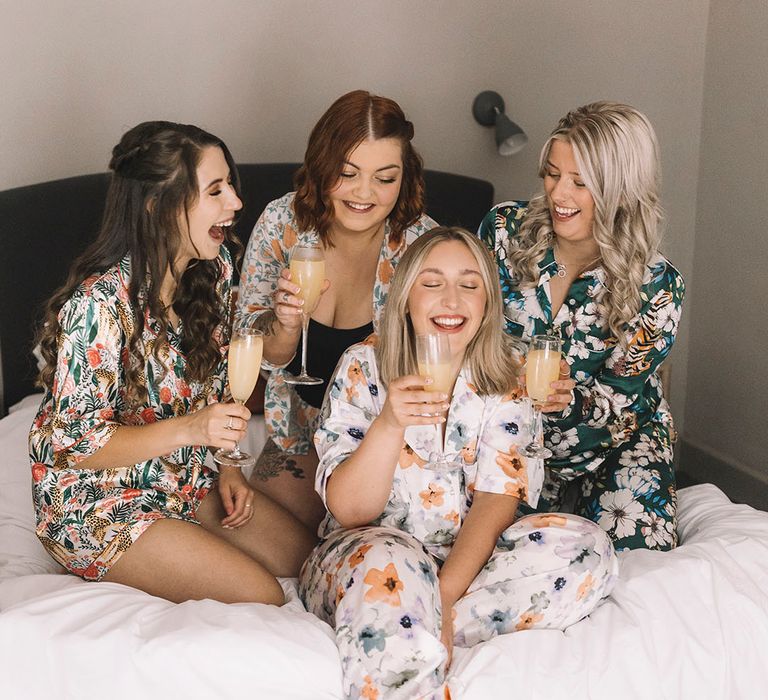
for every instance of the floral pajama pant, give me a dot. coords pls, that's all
(378, 588)
(632, 494)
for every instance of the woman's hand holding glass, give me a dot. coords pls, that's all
(433, 357)
(217, 425)
(543, 366)
(243, 363)
(408, 403)
(307, 273)
(561, 394)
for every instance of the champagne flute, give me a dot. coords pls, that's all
(433, 358)
(308, 271)
(542, 367)
(244, 362)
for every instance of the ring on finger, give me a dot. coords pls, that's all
(229, 423)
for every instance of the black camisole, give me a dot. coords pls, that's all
(325, 346)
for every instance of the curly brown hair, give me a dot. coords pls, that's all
(153, 183)
(348, 122)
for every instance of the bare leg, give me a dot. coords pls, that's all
(272, 536)
(289, 480)
(181, 561)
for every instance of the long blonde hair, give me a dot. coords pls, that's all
(617, 154)
(490, 356)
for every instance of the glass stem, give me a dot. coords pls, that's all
(304, 331)
(535, 423)
(236, 450)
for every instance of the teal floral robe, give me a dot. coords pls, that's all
(617, 435)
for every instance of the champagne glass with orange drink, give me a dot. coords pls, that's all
(433, 359)
(542, 367)
(308, 271)
(243, 364)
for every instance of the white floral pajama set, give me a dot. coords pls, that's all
(616, 438)
(377, 585)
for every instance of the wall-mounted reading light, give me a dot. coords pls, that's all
(488, 110)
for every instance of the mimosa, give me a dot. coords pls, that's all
(309, 275)
(541, 369)
(308, 271)
(244, 364)
(244, 361)
(440, 372)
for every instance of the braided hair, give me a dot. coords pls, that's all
(153, 185)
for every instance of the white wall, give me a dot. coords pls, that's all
(75, 75)
(727, 399)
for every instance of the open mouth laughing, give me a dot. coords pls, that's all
(218, 231)
(564, 213)
(448, 323)
(358, 208)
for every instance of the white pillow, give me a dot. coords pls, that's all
(20, 551)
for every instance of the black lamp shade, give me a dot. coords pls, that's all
(510, 138)
(488, 110)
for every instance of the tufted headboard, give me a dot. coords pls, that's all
(44, 227)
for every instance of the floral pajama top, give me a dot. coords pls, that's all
(618, 391)
(87, 518)
(485, 431)
(291, 421)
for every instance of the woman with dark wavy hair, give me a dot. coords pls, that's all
(134, 345)
(360, 193)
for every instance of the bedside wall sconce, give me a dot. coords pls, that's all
(488, 110)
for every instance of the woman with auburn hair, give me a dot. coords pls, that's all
(416, 559)
(135, 378)
(360, 193)
(582, 261)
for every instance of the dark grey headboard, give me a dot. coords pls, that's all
(43, 227)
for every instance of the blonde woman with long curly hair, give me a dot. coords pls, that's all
(415, 559)
(581, 260)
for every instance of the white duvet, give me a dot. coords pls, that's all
(692, 623)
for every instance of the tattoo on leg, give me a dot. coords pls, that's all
(265, 322)
(272, 462)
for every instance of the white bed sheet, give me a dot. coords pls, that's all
(692, 623)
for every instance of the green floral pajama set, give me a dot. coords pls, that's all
(616, 438)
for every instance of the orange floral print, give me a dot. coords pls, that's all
(386, 271)
(514, 466)
(408, 458)
(289, 237)
(547, 520)
(528, 620)
(452, 517)
(277, 251)
(369, 691)
(432, 495)
(469, 452)
(385, 586)
(359, 555)
(585, 587)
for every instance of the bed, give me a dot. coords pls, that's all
(692, 623)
